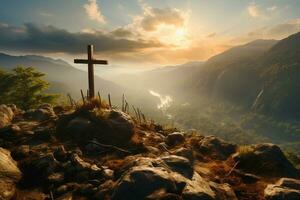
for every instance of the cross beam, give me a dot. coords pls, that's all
(91, 61)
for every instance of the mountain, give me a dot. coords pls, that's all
(261, 75)
(231, 75)
(280, 71)
(63, 77)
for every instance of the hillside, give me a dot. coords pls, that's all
(95, 152)
(63, 77)
(280, 71)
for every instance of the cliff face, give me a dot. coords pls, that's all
(94, 152)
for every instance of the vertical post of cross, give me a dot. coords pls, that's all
(90, 50)
(91, 61)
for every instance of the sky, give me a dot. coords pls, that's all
(142, 32)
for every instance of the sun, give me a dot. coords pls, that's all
(180, 33)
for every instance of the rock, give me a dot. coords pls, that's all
(6, 116)
(79, 163)
(216, 148)
(8, 167)
(121, 126)
(9, 175)
(184, 152)
(80, 129)
(174, 139)
(198, 189)
(44, 112)
(141, 181)
(56, 178)
(60, 154)
(163, 195)
(37, 170)
(223, 191)
(284, 189)
(289, 183)
(265, 160)
(179, 164)
(21, 152)
(246, 177)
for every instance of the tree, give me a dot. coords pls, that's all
(25, 88)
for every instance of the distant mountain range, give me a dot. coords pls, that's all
(262, 75)
(63, 77)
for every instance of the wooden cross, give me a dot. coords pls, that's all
(91, 61)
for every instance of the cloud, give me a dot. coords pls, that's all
(122, 33)
(272, 8)
(154, 17)
(211, 35)
(46, 14)
(31, 38)
(94, 11)
(253, 10)
(278, 32)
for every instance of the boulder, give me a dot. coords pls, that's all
(265, 160)
(216, 148)
(21, 152)
(109, 127)
(121, 126)
(80, 128)
(284, 189)
(6, 116)
(174, 139)
(184, 152)
(197, 189)
(42, 113)
(36, 170)
(223, 191)
(179, 164)
(60, 153)
(9, 175)
(141, 181)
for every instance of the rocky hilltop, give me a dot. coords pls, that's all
(96, 152)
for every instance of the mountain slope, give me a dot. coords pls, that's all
(280, 72)
(63, 77)
(231, 75)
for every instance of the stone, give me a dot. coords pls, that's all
(44, 112)
(8, 167)
(184, 152)
(79, 163)
(37, 170)
(216, 148)
(121, 126)
(6, 116)
(223, 191)
(141, 181)
(21, 152)
(289, 183)
(284, 189)
(175, 138)
(179, 164)
(80, 128)
(9, 175)
(56, 178)
(265, 160)
(198, 189)
(163, 195)
(60, 154)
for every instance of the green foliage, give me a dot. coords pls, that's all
(24, 87)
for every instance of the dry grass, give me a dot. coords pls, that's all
(92, 104)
